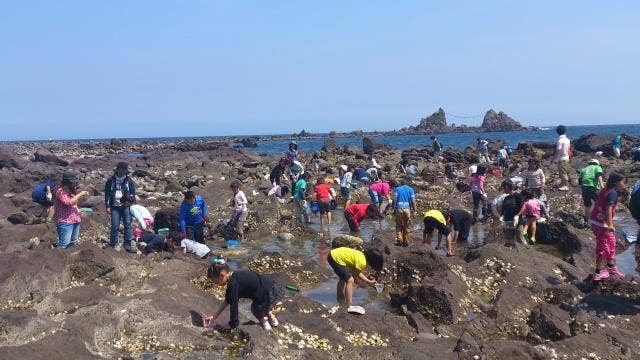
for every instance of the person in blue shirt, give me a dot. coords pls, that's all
(405, 202)
(193, 216)
(43, 194)
(361, 175)
(617, 145)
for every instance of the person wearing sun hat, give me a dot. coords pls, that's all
(119, 193)
(591, 182)
(66, 212)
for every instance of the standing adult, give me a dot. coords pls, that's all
(482, 147)
(617, 145)
(591, 182)
(119, 191)
(67, 213)
(561, 156)
(292, 152)
(405, 202)
(300, 199)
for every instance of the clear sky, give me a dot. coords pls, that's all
(137, 68)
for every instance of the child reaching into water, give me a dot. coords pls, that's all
(244, 284)
(349, 265)
(601, 220)
(532, 209)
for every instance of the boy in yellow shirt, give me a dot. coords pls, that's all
(348, 264)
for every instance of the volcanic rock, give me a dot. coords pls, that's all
(499, 122)
(370, 146)
(46, 156)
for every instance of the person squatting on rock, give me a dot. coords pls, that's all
(380, 190)
(193, 216)
(434, 219)
(478, 195)
(349, 265)
(531, 210)
(143, 217)
(263, 291)
(120, 190)
(561, 156)
(279, 170)
(591, 181)
(324, 195)
(404, 202)
(534, 179)
(355, 213)
(66, 213)
(602, 225)
(43, 195)
(240, 211)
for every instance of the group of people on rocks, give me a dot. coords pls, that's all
(527, 208)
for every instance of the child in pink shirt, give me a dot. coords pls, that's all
(477, 192)
(532, 209)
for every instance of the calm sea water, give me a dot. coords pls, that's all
(455, 140)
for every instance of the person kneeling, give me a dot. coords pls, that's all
(244, 284)
(348, 264)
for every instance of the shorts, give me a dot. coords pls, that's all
(324, 206)
(345, 192)
(430, 224)
(605, 243)
(589, 195)
(503, 163)
(464, 227)
(352, 224)
(342, 271)
(375, 198)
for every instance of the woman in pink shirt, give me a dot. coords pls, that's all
(477, 192)
(381, 189)
(67, 214)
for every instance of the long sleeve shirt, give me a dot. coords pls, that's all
(192, 214)
(244, 284)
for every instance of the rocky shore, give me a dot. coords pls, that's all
(492, 300)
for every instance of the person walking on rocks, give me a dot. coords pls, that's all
(263, 291)
(602, 225)
(66, 212)
(119, 191)
(436, 145)
(193, 216)
(617, 145)
(239, 209)
(479, 196)
(349, 265)
(561, 157)
(591, 182)
(404, 202)
(482, 147)
(345, 183)
(324, 195)
(43, 195)
(300, 199)
(534, 179)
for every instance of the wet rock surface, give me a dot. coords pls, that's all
(498, 299)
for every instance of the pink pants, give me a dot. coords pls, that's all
(605, 243)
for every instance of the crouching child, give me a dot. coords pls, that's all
(264, 291)
(349, 265)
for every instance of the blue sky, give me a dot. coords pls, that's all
(101, 69)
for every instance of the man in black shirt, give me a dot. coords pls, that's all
(461, 221)
(511, 206)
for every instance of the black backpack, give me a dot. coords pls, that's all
(634, 205)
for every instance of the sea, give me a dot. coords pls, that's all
(457, 140)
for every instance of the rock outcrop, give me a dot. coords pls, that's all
(499, 122)
(371, 146)
(435, 122)
(46, 156)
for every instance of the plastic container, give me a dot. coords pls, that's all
(232, 244)
(86, 211)
(163, 231)
(315, 207)
(354, 184)
(293, 288)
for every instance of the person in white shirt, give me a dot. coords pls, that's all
(239, 209)
(345, 183)
(562, 157)
(194, 247)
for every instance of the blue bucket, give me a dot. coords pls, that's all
(315, 207)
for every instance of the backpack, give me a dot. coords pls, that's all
(634, 205)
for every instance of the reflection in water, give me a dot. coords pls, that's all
(626, 260)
